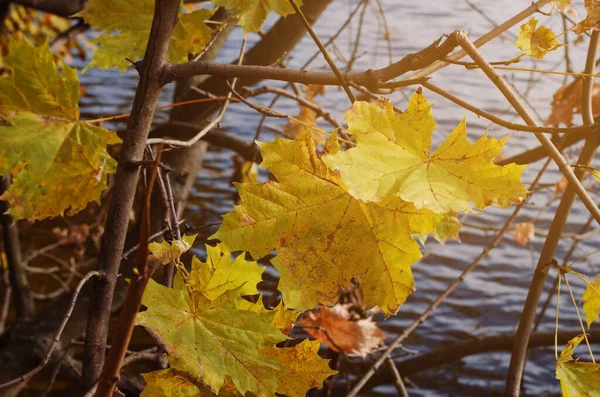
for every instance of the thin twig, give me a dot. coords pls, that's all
(323, 51)
(57, 336)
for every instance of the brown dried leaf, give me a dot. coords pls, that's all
(333, 327)
(524, 232)
(308, 116)
(561, 186)
(75, 235)
(567, 101)
(592, 19)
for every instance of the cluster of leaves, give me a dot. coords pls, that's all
(338, 214)
(217, 338)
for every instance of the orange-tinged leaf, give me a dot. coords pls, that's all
(524, 233)
(324, 236)
(333, 327)
(59, 163)
(561, 186)
(308, 116)
(567, 101)
(536, 42)
(392, 158)
(592, 19)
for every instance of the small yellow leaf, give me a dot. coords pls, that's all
(166, 252)
(577, 379)
(281, 317)
(591, 298)
(536, 42)
(252, 13)
(220, 273)
(524, 233)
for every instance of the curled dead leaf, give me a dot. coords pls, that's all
(333, 327)
(561, 186)
(567, 101)
(524, 232)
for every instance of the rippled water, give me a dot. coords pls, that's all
(490, 299)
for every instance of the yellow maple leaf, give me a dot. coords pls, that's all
(213, 342)
(58, 162)
(281, 317)
(392, 159)
(167, 252)
(577, 379)
(591, 298)
(536, 42)
(220, 274)
(252, 13)
(323, 235)
(126, 26)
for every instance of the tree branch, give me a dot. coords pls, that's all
(369, 78)
(126, 178)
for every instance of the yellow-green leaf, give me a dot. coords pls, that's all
(392, 159)
(281, 317)
(58, 162)
(577, 379)
(167, 252)
(536, 42)
(220, 274)
(591, 298)
(126, 26)
(252, 13)
(172, 383)
(213, 342)
(592, 19)
(324, 236)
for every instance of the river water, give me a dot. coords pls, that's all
(490, 300)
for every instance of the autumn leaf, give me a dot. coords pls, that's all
(524, 233)
(58, 162)
(592, 19)
(252, 13)
(308, 116)
(173, 383)
(591, 299)
(536, 42)
(126, 26)
(167, 252)
(220, 273)
(333, 327)
(213, 342)
(392, 159)
(447, 229)
(566, 102)
(281, 317)
(577, 379)
(324, 236)
(561, 186)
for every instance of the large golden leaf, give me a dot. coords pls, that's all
(57, 161)
(324, 236)
(591, 298)
(126, 26)
(392, 159)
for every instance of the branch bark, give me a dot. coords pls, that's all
(517, 362)
(126, 178)
(369, 78)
